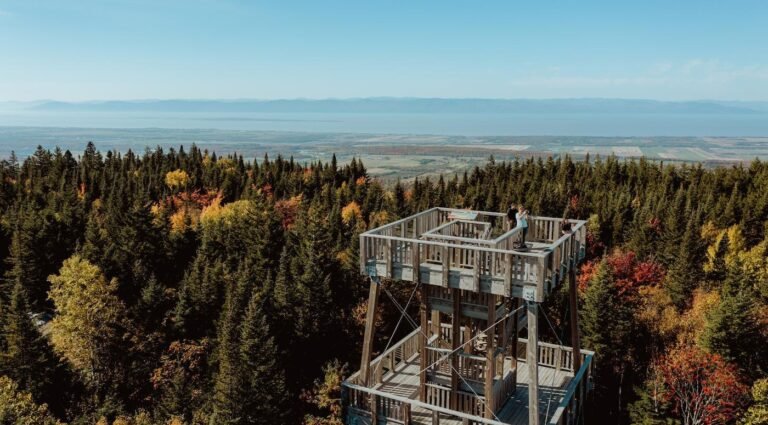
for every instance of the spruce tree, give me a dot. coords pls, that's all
(263, 386)
(731, 329)
(227, 391)
(685, 273)
(26, 355)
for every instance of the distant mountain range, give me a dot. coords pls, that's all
(405, 105)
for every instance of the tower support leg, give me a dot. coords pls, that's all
(513, 345)
(424, 323)
(490, 358)
(532, 358)
(455, 344)
(574, 304)
(370, 320)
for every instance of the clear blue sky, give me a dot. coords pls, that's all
(121, 49)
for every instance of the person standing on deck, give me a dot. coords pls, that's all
(512, 217)
(522, 221)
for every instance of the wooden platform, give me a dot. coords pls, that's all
(404, 382)
(434, 247)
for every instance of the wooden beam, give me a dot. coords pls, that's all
(446, 264)
(436, 325)
(370, 320)
(468, 335)
(476, 277)
(406, 412)
(513, 344)
(490, 358)
(574, 306)
(504, 338)
(374, 409)
(416, 260)
(424, 323)
(532, 358)
(455, 344)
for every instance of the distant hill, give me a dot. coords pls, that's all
(415, 105)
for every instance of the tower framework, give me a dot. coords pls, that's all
(478, 290)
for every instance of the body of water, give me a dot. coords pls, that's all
(470, 124)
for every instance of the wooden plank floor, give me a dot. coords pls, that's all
(405, 383)
(552, 385)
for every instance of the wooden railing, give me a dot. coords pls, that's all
(561, 358)
(388, 360)
(471, 367)
(570, 407)
(392, 408)
(552, 355)
(398, 250)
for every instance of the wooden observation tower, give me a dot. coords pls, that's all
(478, 291)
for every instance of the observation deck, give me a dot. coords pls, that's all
(479, 287)
(474, 251)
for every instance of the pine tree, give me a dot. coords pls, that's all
(25, 357)
(731, 330)
(606, 321)
(264, 391)
(227, 400)
(685, 274)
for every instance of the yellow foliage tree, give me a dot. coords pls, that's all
(351, 211)
(693, 321)
(177, 179)
(224, 214)
(87, 334)
(18, 407)
(657, 312)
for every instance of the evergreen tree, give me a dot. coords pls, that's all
(25, 357)
(263, 378)
(731, 328)
(685, 274)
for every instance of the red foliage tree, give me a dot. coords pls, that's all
(629, 274)
(702, 387)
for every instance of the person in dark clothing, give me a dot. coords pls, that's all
(512, 217)
(566, 227)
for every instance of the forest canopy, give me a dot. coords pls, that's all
(182, 287)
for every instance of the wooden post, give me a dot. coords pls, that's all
(508, 265)
(436, 328)
(574, 305)
(504, 337)
(532, 358)
(468, 335)
(490, 363)
(476, 277)
(416, 260)
(446, 265)
(374, 410)
(513, 345)
(423, 316)
(406, 412)
(455, 343)
(370, 319)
